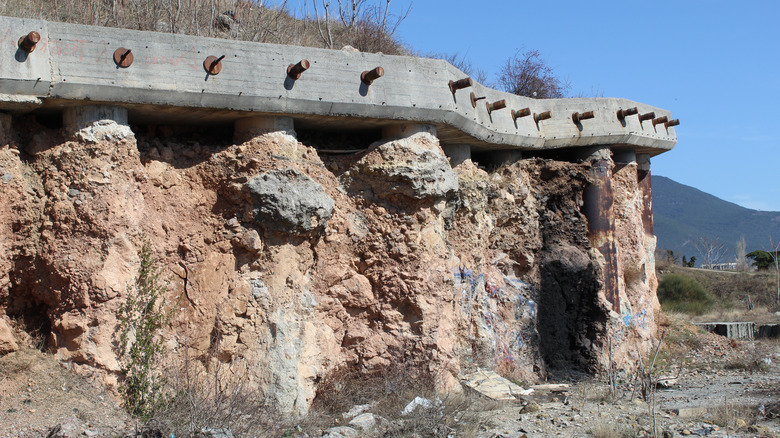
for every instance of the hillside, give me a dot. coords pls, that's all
(682, 213)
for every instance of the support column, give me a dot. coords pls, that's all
(250, 127)
(457, 153)
(598, 200)
(97, 122)
(646, 188)
(407, 130)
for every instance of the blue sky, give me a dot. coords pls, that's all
(714, 64)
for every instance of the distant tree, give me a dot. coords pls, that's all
(527, 74)
(741, 255)
(685, 261)
(692, 262)
(712, 251)
(762, 260)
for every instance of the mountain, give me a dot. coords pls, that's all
(682, 213)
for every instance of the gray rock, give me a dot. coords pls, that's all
(74, 193)
(414, 167)
(340, 432)
(290, 202)
(364, 422)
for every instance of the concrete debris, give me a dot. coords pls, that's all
(290, 202)
(414, 167)
(493, 386)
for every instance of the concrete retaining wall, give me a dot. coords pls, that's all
(731, 330)
(74, 63)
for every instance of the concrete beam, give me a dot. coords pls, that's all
(250, 127)
(457, 153)
(74, 63)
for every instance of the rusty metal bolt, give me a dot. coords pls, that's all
(520, 113)
(123, 57)
(474, 99)
(459, 84)
(578, 117)
(660, 120)
(213, 65)
(674, 122)
(368, 77)
(623, 113)
(542, 116)
(28, 42)
(648, 116)
(495, 106)
(294, 71)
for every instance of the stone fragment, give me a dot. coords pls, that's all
(492, 385)
(290, 202)
(7, 342)
(364, 422)
(414, 167)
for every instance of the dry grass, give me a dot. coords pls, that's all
(247, 20)
(727, 414)
(388, 392)
(609, 430)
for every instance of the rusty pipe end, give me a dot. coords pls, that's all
(521, 113)
(213, 65)
(659, 120)
(623, 113)
(459, 84)
(294, 71)
(497, 105)
(542, 116)
(368, 77)
(123, 57)
(28, 42)
(674, 122)
(647, 116)
(577, 117)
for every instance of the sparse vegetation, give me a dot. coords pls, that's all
(363, 24)
(678, 293)
(141, 345)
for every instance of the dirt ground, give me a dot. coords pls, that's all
(711, 386)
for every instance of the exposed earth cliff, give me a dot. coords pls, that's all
(292, 263)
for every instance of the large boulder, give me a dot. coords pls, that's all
(290, 202)
(415, 167)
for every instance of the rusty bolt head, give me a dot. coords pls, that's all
(660, 120)
(648, 116)
(542, 116)
(623, 113)
(495, 106)
(123, 57)
(521, 113)
(368, 77)
(674, 122)
(28, 42)
(459, 84)
(213, 65)
(474, 99)
(578, 117)
(294, 71)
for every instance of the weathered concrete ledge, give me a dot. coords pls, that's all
(731, 330)
(168, 80)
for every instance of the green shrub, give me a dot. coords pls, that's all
(678, 293)
(142, 319)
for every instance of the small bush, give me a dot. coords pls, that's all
(678, 293)
(142, 318)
